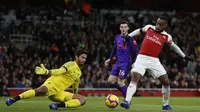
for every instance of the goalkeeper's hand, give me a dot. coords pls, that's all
(41, 70)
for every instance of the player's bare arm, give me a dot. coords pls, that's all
(111, 55)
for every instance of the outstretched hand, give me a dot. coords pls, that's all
(41, 70)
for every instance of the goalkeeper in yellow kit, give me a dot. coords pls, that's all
(54, 87)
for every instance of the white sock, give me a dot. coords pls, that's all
(130, 91)
(166, 95)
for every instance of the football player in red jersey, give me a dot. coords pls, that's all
(147, 59)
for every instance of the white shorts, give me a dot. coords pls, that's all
(151, 64)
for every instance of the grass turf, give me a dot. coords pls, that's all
(97, 104)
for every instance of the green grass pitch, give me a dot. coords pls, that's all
(97, 104)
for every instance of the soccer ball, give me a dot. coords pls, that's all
(112, 101)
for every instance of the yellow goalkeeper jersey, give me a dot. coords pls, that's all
(73, 71)
(62, 78)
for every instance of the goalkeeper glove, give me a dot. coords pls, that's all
(41, 70)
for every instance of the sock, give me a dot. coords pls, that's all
(62, 104)
(27, 94)
(117, 85)
(130, 91)
(123, 90)
(16, 98)
(166, 95)
(72, 103)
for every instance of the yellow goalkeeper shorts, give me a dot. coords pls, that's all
(56, 84)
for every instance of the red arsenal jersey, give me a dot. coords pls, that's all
(153, 41)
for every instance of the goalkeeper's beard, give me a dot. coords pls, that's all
(80, 64)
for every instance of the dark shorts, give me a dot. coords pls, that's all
(121, 70)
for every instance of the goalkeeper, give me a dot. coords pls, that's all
(54, 87)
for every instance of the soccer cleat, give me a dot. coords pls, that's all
(125, 104)
(10, 101)
(53, 106)
(167, 107)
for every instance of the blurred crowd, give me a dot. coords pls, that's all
(96, 33)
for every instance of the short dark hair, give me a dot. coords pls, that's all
(164, 18)
(124, 22)
(80, 51)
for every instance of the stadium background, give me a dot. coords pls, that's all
(34, 32)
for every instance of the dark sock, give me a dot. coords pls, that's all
(62, 104)
(116, 85)
(16, 98)
(123, 90)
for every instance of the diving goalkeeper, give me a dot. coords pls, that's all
(54, 87)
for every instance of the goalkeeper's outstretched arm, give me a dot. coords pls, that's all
(41, 70)
(59, 71)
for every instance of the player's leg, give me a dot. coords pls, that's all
(123, 74)
(113, 77)
(48, 88)
(165, 91)
(123, 87)
(132, 86)
(159, 72)
(136, 73)
(41, 91)
(62, 96)
(131, 89)
(67, 100)
(76, 101)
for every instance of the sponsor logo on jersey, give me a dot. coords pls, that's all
(155, 39)
(121, 46)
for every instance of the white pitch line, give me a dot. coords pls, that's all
(181, 106)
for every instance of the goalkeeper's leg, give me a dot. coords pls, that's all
(67, 100)
(41, 91)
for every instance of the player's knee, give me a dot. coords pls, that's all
(83, 100)
(52, 98)
(55, 98)
(41, 91)
(166, 82)
(121, 82)
(111, 81)
(135, 77)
